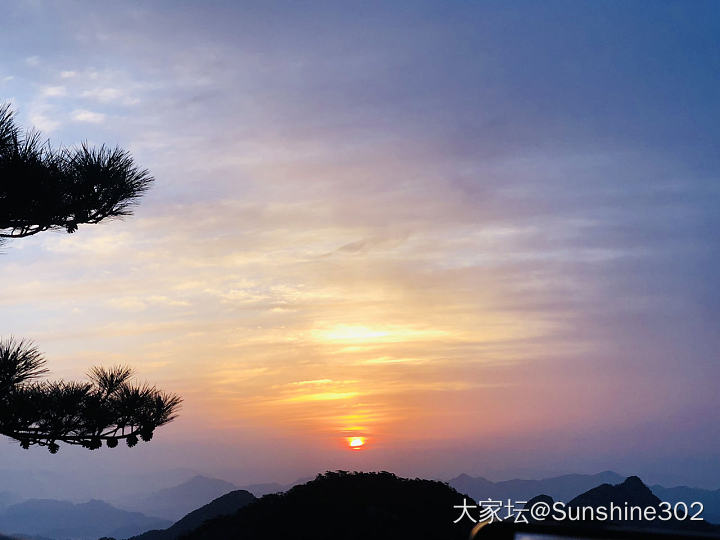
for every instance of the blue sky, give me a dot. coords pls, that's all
(484, 232)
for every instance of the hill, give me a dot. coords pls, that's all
(635, 493)
(175, 502)
(8, 498)
(346, 506)
(265, 489)
(222, 506)
(272, 487)
(561, 488)
(588, 521)
(632, 491)
(62, 519)
(77, 485)
(710, 499)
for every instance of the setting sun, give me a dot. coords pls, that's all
(356, 443)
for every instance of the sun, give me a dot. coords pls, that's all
(356, 443)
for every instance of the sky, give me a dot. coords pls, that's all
(480, 235)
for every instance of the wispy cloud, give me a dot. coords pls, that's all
(392, 225)
(91, 117)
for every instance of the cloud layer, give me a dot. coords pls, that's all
(444, 226)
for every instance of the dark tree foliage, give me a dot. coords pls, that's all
(347, 506)
(44, 189)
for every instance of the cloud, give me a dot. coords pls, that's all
(54, 91)
(110, 95)
(90, 117)
(41, 118)
(458, 223)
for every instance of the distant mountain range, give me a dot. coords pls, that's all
(7, 498)
(62, 519)
(186, 504)
(709, 498)
(80, 486)
(222, 506)
(566, 487)
(173, 503)
(561, 488)
(353, 506)
(631, 492)
(272, 487)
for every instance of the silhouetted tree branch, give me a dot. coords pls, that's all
(107, 408)
(44, 189)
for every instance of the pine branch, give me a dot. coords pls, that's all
(42, 188)
(109, 408)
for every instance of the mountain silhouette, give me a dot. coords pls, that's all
(547, 499)
(272, 487)
(560, 488)
(265, 489)
(335, 505)
(634, 492)
(120, 487)
(8, 498)
(710, 499)
(62, 519)
(175, 502)
(222, 506)
(347, 506)
(631, 491)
